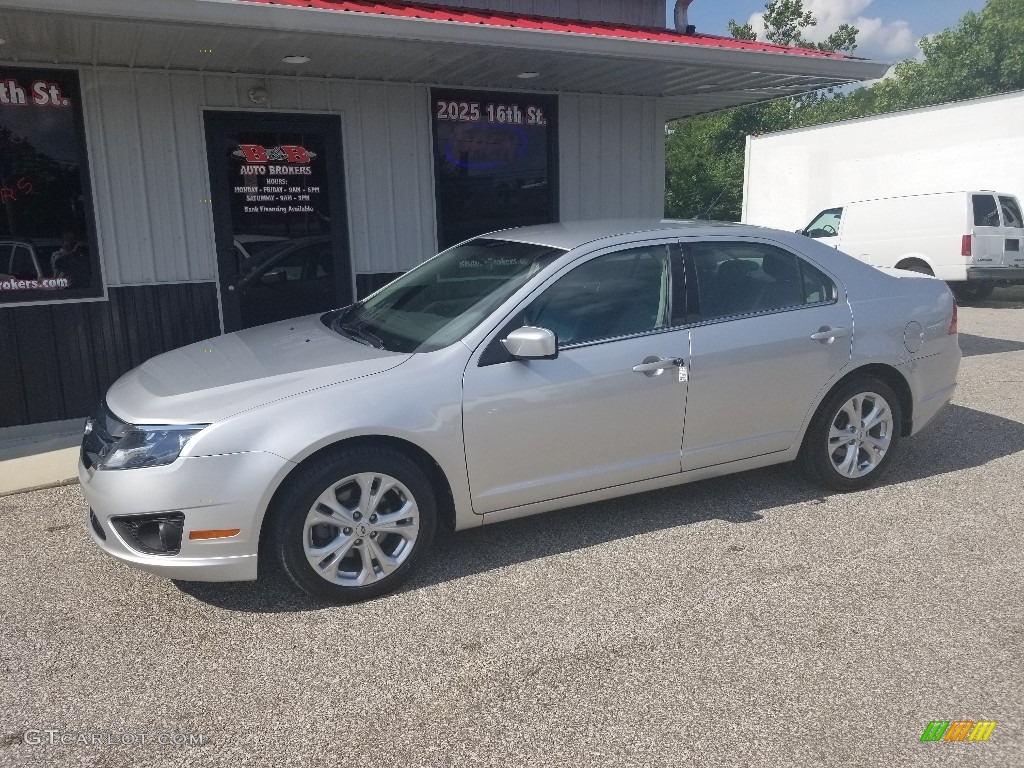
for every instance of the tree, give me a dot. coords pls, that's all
(980, 56)
(704, 155)
(785, 22)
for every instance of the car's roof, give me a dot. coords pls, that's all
(571, 234)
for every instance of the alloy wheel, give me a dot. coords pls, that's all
(860, 435)
(361, 529)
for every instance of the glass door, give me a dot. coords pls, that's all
(279, 215)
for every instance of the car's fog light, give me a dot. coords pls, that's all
(152, 534)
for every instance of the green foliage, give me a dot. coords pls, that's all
(785, 21)
(982, 55)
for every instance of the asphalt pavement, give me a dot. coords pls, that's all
(749, 620)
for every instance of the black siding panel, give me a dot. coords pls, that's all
(57, 360)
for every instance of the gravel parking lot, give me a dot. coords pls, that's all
(744, 621)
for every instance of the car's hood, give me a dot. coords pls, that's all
(211, 380)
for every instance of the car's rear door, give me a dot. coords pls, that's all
(538, 430)
(774, 330)
(988, 231)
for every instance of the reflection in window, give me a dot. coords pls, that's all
(618, 294)
(742, 278)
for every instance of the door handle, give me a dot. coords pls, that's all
(827, 334)
(657, 365)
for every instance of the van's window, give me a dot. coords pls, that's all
(825, 224)
(986, 214)
(1011, 212)
(735, 278)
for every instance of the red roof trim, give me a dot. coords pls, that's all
(502, 19)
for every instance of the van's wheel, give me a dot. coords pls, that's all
(853, 436)
(353, 524)
(916, 266)
(972, 291)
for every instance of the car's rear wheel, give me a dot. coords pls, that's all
(972, 291)
(853, 436)
(354, 524)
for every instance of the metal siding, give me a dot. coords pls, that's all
(198, 259)
(161, 178)
(611, 157)
(146, 138)
(67, 355)
(570, 163)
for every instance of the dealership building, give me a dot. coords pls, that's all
(174, 169)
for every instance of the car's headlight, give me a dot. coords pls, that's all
(146, 446)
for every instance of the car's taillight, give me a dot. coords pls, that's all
(952, 322)
(965, 246)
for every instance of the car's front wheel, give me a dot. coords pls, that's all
(353, 524)
(853, 436)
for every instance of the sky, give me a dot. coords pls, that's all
(889, 29)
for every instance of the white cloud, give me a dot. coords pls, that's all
(878, 39)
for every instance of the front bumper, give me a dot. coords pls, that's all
(213, 492)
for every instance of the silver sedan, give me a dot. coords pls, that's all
(516, 373)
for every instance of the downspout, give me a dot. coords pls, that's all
(682, 21)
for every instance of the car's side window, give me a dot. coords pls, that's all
(617, 294)
(825, 224)
(986, 214)
(1011, 213)
(739, 278)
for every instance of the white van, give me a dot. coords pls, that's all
(972, 240)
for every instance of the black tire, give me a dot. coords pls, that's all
(819, 454)
(289, 539)
(972, 291)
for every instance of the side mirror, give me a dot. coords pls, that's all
(528, 343)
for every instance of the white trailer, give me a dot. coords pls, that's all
(793, 175)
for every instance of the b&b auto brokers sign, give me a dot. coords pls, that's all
(269, 184)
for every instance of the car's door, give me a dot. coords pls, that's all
(543, 429)
(774, 330)
(988, 231)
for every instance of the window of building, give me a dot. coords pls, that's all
(47, 240)
(494, 162)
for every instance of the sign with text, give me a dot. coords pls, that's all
(47, 246)
(494, 157)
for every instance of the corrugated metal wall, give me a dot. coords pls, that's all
(149, 167)
(152, 184)
(645, 13)
(612, 151)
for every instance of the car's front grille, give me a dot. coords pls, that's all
(102, 431)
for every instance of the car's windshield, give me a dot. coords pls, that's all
(443, 299)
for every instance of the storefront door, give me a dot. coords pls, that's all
(279, 215)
